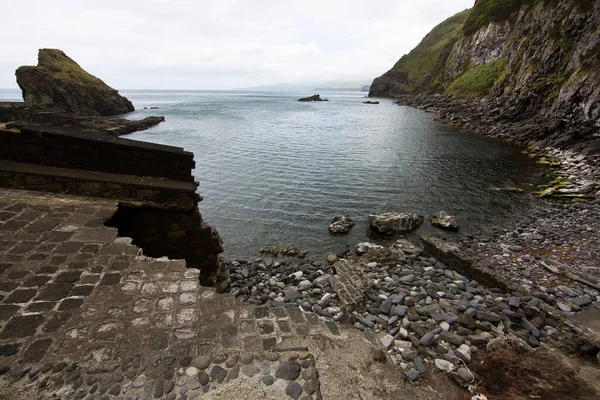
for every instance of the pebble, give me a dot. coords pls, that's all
(443, 365)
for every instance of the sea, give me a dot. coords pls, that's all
(274, 171)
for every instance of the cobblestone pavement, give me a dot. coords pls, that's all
(83, 314)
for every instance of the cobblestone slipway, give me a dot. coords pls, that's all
(84, 314)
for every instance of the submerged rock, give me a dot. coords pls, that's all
(395, 222)
(59, 84)
(340, 224)
(444, 220)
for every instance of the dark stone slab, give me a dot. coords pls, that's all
(21, 296)
(68, 276)
(36, 281)
(9, 349)
(82, 290)
(55, 291)
(21, 326)
(56, 322)
(110, 280)
(41, 306)
(70, 303)
(7, 311)
(36, 350)
(68, 247)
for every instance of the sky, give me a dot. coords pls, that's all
(219, 44)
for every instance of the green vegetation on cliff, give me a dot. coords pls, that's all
(422, 67)
(486, 11)
(476, 82)
(426, 61)
(61, 66)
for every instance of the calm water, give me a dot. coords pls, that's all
(274, 171)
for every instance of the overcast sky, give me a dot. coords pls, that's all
(219, 44)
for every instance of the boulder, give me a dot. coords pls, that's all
(59, 84)
(444, 220)
(314, 97)
(395, 222)
(340, 224)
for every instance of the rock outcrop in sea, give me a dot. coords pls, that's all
(314, 97)
(59, 84)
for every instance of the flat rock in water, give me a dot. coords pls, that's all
(395, 222)
(444, 220)
(340, 224)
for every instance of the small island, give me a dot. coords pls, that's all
(314, 97)
(370, 102)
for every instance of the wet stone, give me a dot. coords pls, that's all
(309, 388)
(288, 371)
(218, 373)
(272, 356)
(234, 372)
(21, 326)
(158, 389)
(203, 378)
(305, 363)
(116, 390)
(232, 361)
(202, 362)
(268, 380)
(250, 370)
(21, 296)
(185, 361)
(36, 350)
(294, 390)
(246, 358)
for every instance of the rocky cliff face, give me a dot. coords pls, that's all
(520, 60)
(59, 84)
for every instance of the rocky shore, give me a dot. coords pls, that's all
(428, 317)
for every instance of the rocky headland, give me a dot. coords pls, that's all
(61, 96)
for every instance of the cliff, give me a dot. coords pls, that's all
(517, 60)
(59, 84)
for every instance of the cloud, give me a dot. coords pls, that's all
(220, 45)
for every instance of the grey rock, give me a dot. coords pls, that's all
(202, 362)
(203, 378)
(427, 339)
(234, 372)
(453, 338)
(340, 224)
(412, 375)
(443, 365)
(218, 373)
(465, 375)
(419, 365)
(395, 222)
(267, 380)
(290, 371)
(444, 220)
(294, 390)
(581, 301)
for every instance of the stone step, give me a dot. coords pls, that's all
(350, 284)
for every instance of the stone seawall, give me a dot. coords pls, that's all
(156, 192)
